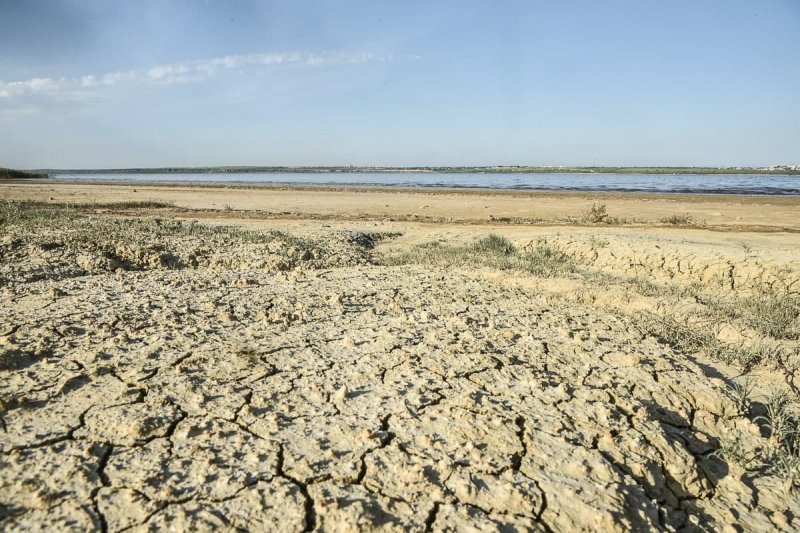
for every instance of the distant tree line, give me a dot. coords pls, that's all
(11, 174)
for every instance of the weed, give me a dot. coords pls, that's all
(772, 312)
(779, 420)
(782, 456)
(775, 314)
(597, 214)
(702, 338)
(678, 220)
(742, 391)
(786, 465)
(545, 259)
(493, 244)
(596, 243)
(73, 231)
(734, 450)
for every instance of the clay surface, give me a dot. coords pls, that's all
(251, 387)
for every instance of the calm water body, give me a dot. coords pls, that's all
(688, 183)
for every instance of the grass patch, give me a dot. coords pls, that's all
(701, 338)
(781, 455)
(772, 312)
(27, 213)
(21, 213)
(540, 258)
(494, 245)
(30, 220)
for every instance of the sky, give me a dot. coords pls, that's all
(114, 83)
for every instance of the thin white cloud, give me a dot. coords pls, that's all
(188, 72)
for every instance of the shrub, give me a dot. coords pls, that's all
(678, 220)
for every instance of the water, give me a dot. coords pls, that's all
(686, 183)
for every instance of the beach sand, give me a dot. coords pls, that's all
(326, 359)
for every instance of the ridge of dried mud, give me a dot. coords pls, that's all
(231, 383)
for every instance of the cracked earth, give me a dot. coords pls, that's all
(343, 395)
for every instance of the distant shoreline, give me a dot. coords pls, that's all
(718, 212)
(783, 170)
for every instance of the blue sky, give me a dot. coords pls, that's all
(105, 83)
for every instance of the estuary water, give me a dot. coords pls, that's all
(653, 183)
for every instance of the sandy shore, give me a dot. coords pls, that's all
(334, 360)
(737, 212)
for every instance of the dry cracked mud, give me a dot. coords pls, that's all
(342, 395)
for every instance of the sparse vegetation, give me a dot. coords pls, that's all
(781, 455)
(19, 213)
(12, 212)
(493, 244)
(678, 220)
(779, 420)
(129, 204)
(734, 450)
(597, 243)
(741, 391)
(773, 312)
(76, 225)
(597, 214)
(77, 241)
(701, 337)
(540, 258)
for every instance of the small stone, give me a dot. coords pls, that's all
(341, 394)
(226, 316)
(509, 334)
(779, 519)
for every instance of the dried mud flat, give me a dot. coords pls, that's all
(159, 377)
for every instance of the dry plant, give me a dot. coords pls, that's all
(701, 337)
(598, 214)
(773, 312)
(735, 450)
(678, 220)
(741, 392)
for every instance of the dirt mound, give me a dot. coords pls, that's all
(684, 262)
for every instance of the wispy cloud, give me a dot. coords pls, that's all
(187, 72)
